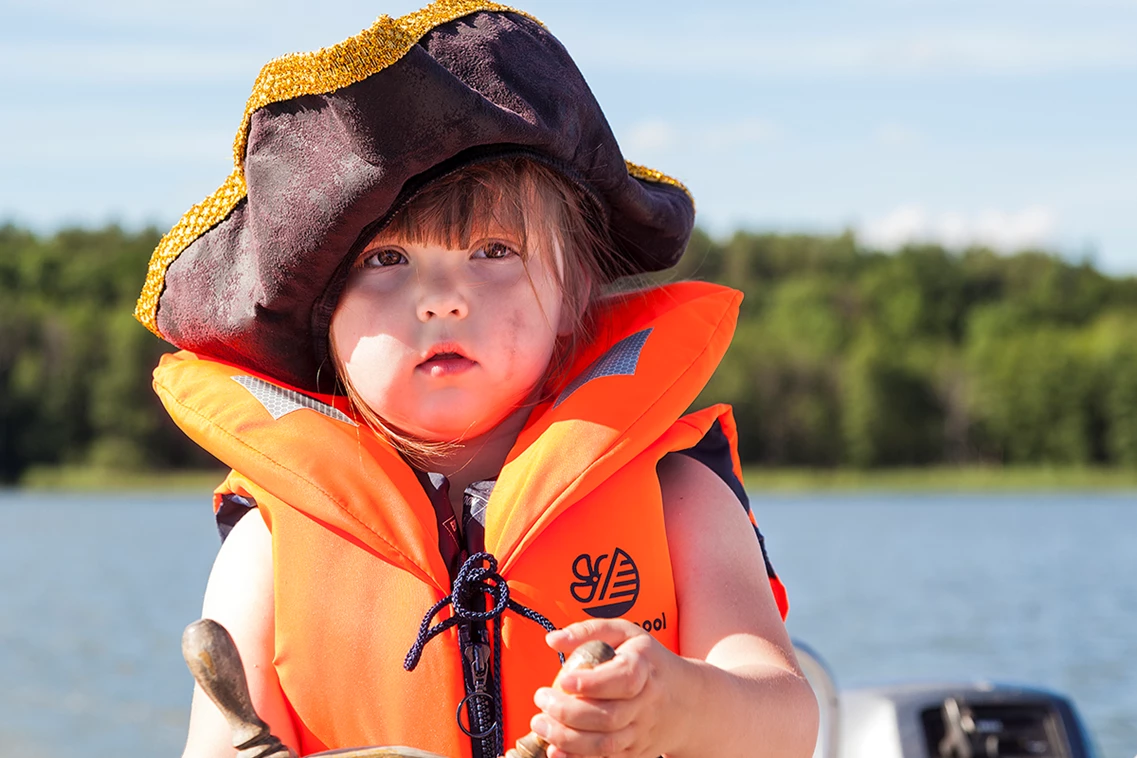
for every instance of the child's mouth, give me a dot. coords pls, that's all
(446, 364)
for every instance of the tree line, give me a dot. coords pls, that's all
(844, 356)
(850, 356)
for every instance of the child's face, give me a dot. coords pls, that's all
(446, 343)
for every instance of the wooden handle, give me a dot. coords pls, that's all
(588, 655)
(216, 666)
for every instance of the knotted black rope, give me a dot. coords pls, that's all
(475, 580)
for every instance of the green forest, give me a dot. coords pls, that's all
(844, 356)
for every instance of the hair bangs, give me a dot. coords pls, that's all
(458, 210)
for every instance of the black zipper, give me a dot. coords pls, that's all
(479, 700)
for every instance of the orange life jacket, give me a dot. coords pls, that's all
(575, 521)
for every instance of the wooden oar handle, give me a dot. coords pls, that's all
(588, 655)
(216, 666)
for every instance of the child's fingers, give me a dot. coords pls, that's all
(613, 631)
(565, 739)
(585, 714)
(621, 678)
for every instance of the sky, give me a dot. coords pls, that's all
(1010, 123)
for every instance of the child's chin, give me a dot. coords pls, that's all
(448, 429)
(463, 417)
(454, 428)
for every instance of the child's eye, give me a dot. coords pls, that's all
(494, 250)
(386, 257)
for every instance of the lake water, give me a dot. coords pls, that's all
(1035, 589)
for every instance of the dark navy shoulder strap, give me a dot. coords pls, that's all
(713, 451)
(233, 507)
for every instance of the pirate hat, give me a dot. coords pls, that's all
(335, 141)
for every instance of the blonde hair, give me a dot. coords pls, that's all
(546, 212)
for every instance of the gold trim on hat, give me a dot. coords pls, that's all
(196, 222)
(651, 175)
(313, 73)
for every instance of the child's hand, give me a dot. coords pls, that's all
(624, 707)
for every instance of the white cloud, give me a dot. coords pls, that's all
(747, 131)
(24, 144)
(1002, 230)
(649, 137)
(656, 136)
(713, 38)
(102, 63)
(961, 6)
(200, 16)
(897, 136)
(896, 52)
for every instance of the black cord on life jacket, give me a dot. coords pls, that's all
(473, 583)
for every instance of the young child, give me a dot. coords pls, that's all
(446, 439)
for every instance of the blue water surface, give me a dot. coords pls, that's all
(1039, 589)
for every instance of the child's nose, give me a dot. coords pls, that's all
(441, 298)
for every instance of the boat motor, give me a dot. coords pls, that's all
(928, 720)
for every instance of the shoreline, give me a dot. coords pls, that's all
(757, 479)
(973, 478)
(90, 479)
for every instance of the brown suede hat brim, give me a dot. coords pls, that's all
(335, 141)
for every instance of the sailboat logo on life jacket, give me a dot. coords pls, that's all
(609, 584)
